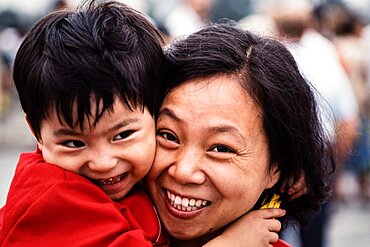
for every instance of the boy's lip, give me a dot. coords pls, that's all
(110, 181)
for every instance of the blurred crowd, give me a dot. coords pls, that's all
(329, 39)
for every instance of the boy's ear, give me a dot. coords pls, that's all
(29, 125)
(39, 144)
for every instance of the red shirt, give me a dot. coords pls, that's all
(48, 206)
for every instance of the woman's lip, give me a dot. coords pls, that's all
(184, 212)
(186, 201)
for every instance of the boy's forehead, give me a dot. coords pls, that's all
(91, 114)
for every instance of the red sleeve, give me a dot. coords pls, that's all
(281, 243)
(1, 218)
(48, 206)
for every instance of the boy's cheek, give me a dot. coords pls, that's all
(153, 173)
(160, 163)
(48, 157)
(52, 157)
(39, 146)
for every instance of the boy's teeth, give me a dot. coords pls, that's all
(185, 204)
(109, 181)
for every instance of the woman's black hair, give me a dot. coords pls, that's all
(268, 72)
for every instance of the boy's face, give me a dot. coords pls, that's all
(115, 154)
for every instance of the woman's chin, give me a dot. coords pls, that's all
(192, 238)
(182, 233)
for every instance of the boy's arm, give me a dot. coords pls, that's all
(255, 229)
(51, 207)
(70, 214)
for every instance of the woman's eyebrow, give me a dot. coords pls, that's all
(169, 113)
(226, 129)
(222, 128)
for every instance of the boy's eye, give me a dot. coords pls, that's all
(123, 135)
(74, 144)
(221, 149)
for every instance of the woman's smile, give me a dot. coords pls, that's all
(184, 207)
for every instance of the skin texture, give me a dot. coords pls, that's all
(121, 147)
(221, 159)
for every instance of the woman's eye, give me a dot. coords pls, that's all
(168, 136)
(74, 144)
(222, 149)
(123, 135)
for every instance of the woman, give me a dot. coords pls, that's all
(238, 124)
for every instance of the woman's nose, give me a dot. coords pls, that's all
(187, 168)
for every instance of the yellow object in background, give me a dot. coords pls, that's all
(274, 203)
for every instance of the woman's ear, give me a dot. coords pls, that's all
(273, 176)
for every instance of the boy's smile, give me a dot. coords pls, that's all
(110, 181)
(114, 154)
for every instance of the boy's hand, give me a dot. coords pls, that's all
(297, 189)
(257, 228)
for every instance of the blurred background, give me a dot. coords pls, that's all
(330, 40)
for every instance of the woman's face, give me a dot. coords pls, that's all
(212, 160)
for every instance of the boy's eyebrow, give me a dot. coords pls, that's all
(124, 123)
(63, 131)
(71, 132)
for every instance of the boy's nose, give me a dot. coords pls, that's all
(102, 162)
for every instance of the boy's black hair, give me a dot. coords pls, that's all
(71, 60)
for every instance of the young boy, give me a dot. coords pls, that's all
(88, 82)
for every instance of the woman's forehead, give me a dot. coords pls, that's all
(216, 90)
(214, 102)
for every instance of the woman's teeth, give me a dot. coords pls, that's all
(185, 204)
